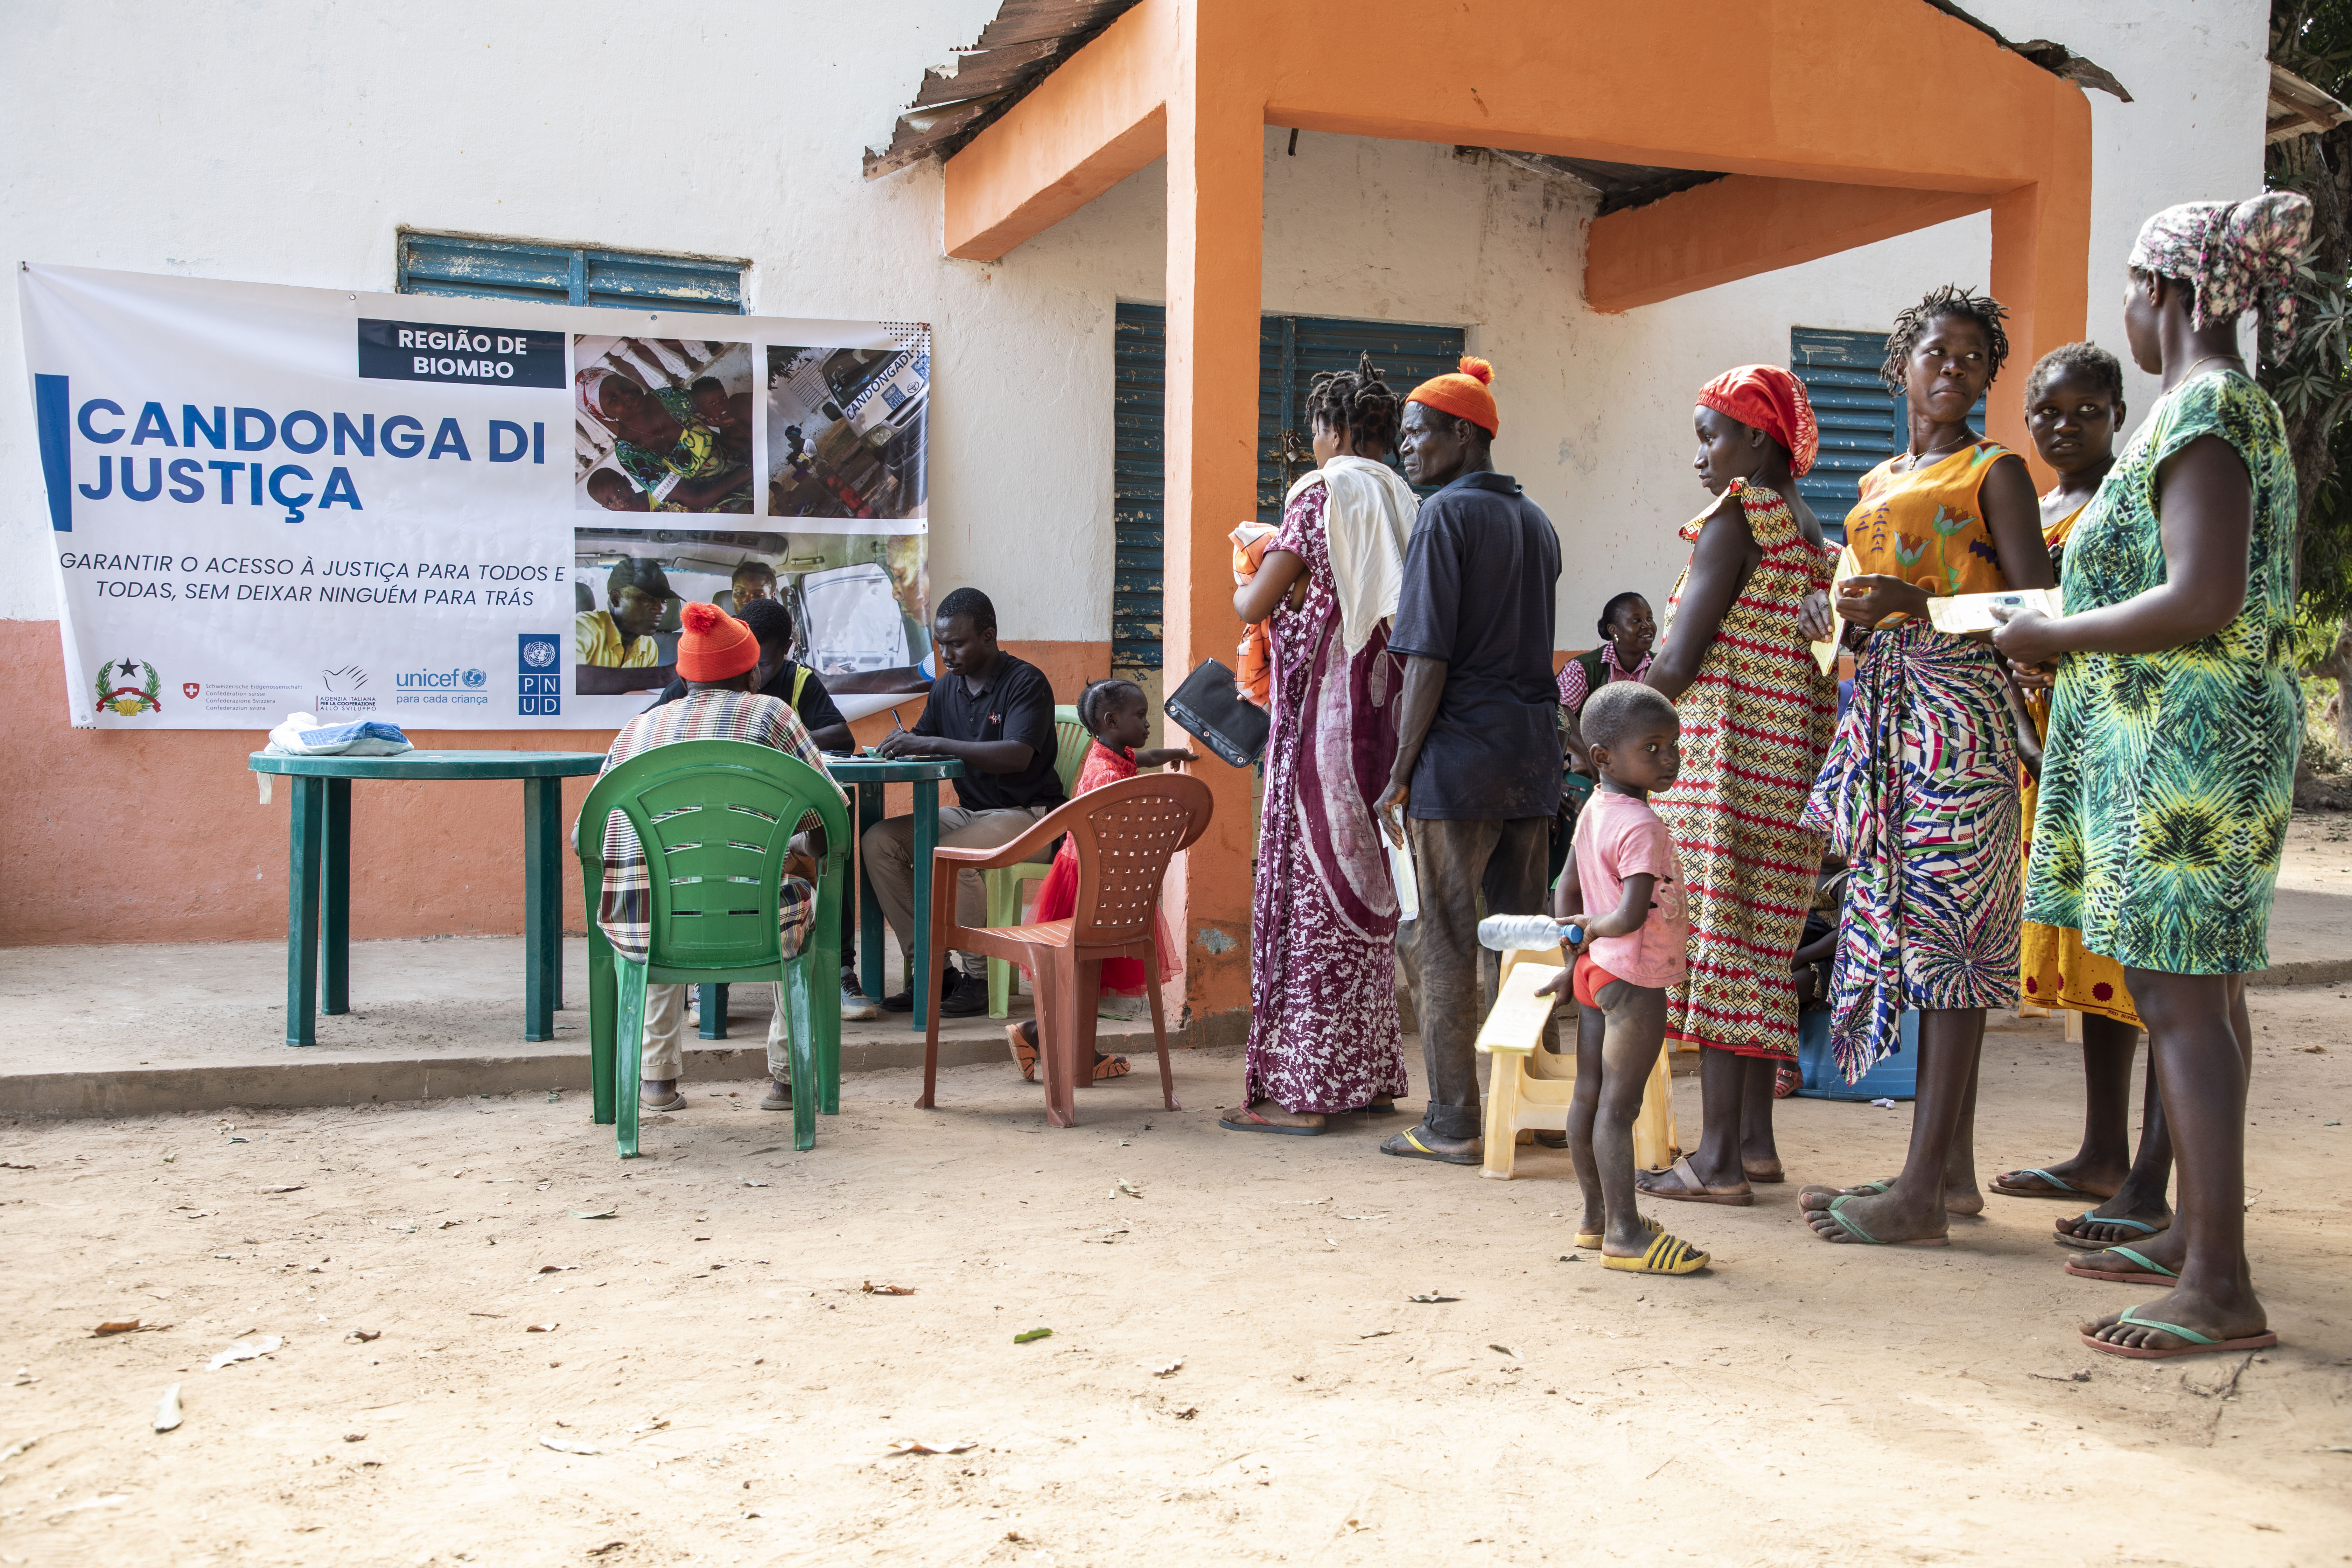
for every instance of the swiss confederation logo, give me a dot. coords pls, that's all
(539, 692)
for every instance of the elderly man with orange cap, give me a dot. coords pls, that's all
(719, 658)
(1476, 780)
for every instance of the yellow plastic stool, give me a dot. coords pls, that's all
(1529, 1087)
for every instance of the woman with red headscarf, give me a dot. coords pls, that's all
(1758, 713)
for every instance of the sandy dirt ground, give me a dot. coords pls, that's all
(1236, 1370)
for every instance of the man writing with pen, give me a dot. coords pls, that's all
(995, 714)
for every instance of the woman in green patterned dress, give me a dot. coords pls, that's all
(2169, 771)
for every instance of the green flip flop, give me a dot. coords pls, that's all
(2068, 1238)
(2198, 1344)
(2150, 1272)
(2056, 1187)
(1836, 1211)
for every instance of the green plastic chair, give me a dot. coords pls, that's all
(1005, 887)
(715, 819)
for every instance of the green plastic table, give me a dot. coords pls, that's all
(867, 776)
(318, 871)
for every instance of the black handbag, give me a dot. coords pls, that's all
(1209, 708)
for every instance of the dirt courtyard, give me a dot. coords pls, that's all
(737, 1390)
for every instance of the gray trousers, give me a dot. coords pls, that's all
(1457, 863)
(890, 848)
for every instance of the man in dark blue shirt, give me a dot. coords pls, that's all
(994, 714)
(1476, 780)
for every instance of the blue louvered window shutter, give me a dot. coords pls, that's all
(1862, 423)
(1292, 352)
(566, 275)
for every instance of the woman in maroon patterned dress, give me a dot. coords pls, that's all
(1324, 1038)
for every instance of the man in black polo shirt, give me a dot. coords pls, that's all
(1478, 770)
(994, 714)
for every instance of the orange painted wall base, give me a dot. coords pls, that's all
(116, 836)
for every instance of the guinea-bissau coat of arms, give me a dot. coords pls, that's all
(128, 699)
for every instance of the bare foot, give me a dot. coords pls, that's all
(2241, 1318)
(1889, 1217)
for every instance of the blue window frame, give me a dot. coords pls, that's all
(1862, 423)
(1292, 352)
(566, 274)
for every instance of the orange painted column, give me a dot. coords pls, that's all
(1216, 178)
(2041, 249)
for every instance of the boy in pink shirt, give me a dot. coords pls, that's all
(1624, 887)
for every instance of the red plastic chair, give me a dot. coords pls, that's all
(1125, 833)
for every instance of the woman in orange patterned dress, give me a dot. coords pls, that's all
(1758, 712)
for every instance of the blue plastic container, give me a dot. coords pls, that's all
(1896, 1077)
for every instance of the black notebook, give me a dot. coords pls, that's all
(1210, 709)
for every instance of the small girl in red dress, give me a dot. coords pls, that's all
(1118, 716)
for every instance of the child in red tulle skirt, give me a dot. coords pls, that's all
(1116, 715)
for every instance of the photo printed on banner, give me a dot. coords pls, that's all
(859, 603)
(662, 425)
(845, 428)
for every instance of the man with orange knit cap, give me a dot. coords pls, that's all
(1476, 780)
(719, 658)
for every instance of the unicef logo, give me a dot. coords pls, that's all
(538, 652)
(475, 678)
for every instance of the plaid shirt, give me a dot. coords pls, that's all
(626, 911)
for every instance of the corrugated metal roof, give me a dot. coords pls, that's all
(1012, 54)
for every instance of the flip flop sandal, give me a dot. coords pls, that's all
(1407, 1145)
(2058, 1187)
(1110, 1068)
(1775, 1172)
(1855, 1233)
(1693, 1190)
(1667, 1254)
(2150, 1272)
(2198, 1344)
(1248, 1120)
(2068, 1238)
(1591, 1239)
(1024, 1054)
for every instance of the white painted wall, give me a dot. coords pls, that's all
(287, 141)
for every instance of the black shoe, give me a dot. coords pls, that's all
(966, 997)
(904, 1001)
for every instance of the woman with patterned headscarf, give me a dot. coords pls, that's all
(1757, 714)
(2169, 773)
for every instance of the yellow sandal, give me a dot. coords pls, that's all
(1593, 1238)
(1668, 1255)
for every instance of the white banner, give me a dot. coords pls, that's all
(268, 500)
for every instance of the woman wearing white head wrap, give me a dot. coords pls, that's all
(2169, 771)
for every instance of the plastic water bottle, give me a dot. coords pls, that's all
(1506, 933)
